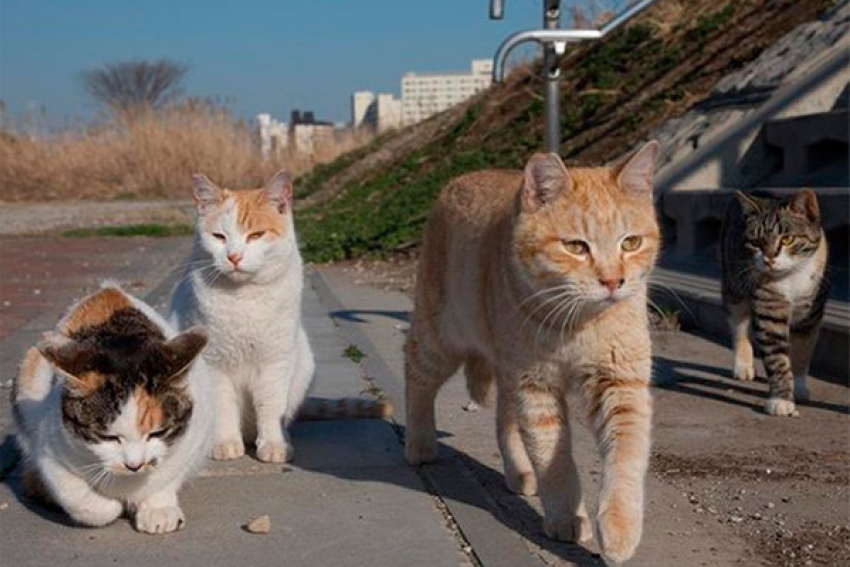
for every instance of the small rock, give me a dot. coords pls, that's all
(756, 516)
(770, 505)
(471, 406)
(786, 499)
(693, 499)
(4, 505)
(736, 519)
(260, 525)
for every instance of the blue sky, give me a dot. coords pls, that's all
(268, 55)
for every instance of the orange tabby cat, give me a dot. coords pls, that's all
(537, 281)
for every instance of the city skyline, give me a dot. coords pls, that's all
(249, 55)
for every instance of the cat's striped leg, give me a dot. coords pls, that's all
(426, 369)
(519, 473)
(739, 321)
(621, 412)
(802, 347)
(545, 430)
(771, 317)
(76, 497)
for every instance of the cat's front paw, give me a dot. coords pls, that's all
(781, 407)
(573, 528)
(98, 514)
(274, 452)
(620, 529)
(744, 372)
(159, 520)
(420, 449)
(524, 483)
(228, 450)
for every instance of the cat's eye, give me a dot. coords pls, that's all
(787, 240)
(576, 247)
(631, 243)
(157, 434)
(111, 438)
(219, 236)
(256, 235)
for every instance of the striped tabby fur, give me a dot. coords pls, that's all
(774, 257)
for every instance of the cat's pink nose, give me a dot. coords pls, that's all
(612, 283)
(234, 259)
(134, 467)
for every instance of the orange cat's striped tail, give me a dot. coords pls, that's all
(341, 408)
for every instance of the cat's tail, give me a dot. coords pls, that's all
(479, 379)
(341, 408)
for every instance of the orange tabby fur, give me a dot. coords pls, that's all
(490, 295)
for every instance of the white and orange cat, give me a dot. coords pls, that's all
(244, 284)
(537, 281)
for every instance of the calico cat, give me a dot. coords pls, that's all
(244, 283)
(536, 281)
(113, 411)
(774, 256)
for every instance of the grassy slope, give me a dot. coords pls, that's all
(615, 93)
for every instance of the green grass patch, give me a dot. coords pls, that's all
(354, 354)
(133, 230)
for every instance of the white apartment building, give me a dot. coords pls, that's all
(425, 94)
(381, 112)
(362, 109)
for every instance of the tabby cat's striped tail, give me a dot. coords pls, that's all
(340, 408)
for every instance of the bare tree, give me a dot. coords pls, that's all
(128, 86)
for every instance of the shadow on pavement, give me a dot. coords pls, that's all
(717, 383)
(488, 493)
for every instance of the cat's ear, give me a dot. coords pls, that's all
(206, 193)
(805, 202)
(546, 177)
(635, 173)
(182, 350)
(279, 190)
(69, 357)
(749, 205)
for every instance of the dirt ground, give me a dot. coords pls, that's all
(779, 485)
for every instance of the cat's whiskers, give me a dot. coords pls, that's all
(562, 295)
(560, 291)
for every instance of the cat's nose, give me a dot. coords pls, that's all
(234, 258)
(134, 467)
(612, 283)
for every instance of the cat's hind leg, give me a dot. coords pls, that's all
(76, 497)
(519, 473)
(545, 430)
(427, 366)
(160, 513)
(739, 322)
(229, 443)
(621, 413)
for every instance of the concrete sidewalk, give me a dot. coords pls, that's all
(728, 484)
(348, 499)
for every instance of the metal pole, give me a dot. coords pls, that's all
(551, 77)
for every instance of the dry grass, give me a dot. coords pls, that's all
(151, 155)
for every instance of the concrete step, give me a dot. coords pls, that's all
(813, 146)
(697, 300)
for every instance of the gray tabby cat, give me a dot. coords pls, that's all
(774, 256)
